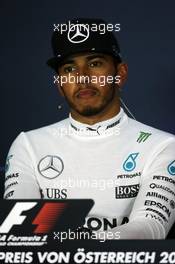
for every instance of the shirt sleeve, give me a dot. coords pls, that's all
(20, 180)
(153, 212)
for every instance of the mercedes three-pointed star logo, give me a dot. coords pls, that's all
(78, 33)
(50, 166)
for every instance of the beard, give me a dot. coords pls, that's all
(91, 110)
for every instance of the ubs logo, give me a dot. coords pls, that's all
(78, 33)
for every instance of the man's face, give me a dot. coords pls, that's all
(88, 85)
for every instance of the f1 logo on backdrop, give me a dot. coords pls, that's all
(21, 213)
(42, 216)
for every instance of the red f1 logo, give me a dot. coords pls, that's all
(47, 217)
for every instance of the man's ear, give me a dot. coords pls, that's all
(122, 71)
(60, 89)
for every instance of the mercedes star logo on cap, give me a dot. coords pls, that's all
(50, 166)
(78, 33)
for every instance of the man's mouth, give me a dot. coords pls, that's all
(86, 93)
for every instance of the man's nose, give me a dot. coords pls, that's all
(83, 74)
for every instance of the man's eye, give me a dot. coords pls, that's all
(68, 69)
(95, 63)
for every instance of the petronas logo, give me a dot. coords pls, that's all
(143, 136)
(171, 168)
(130, 162)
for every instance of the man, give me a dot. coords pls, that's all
(97, 144)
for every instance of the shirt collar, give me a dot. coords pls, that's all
(99, 129)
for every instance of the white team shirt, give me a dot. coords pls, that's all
(126, 167)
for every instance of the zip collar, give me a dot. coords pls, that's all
(103, 128)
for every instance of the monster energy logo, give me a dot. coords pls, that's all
(143, 137)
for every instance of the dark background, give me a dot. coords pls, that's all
(28, 97)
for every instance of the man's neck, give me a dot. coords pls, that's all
(108, 113)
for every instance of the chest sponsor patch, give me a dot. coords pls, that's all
(127, 191)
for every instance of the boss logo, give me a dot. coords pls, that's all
(129, 191)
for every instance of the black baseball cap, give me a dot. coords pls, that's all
(82, 35)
